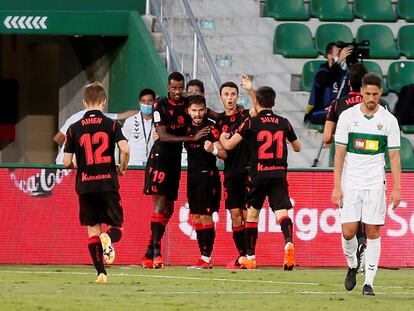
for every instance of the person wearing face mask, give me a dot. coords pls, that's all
(138, 129)
(329, 83)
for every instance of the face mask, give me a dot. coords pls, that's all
(335, 59)
(146, 109)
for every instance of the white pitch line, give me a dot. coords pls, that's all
(122, 274)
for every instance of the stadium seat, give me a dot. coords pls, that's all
(400, 74)
(406, 155)
(327, 33)
(405, 10)
(308, 74)
(375, 68)
(282, 10)
(331, 10)
(293, 40)
(405, 41)
(407, 129)
(374, 11)
(317, 127)
(382, 43)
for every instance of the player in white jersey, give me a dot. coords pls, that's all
(364, 133)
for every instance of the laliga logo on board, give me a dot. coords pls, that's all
(40, 184)
(185, 226)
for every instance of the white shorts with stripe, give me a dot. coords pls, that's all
(367, 206)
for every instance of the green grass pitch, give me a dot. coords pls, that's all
(24, 287)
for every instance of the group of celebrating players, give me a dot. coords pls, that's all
(252, 142)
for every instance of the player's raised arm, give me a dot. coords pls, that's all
(169, 138)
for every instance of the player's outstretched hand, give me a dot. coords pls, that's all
(201, 133)
(155, 135)
(247, 82)
(208, 146)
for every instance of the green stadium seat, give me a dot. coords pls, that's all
(375, 68)
(282, 10)
(407, 129)
(405, 41)
(331, 10)
(327, 33)
(400, 74)
(317, 127)
(293, 40)
(374, 11)
(382, 43)
(405, 10)
(308, 74)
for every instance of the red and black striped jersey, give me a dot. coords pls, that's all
(341, 104)
(92, 139)
(266, 135)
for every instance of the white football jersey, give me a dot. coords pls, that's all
(367, 138)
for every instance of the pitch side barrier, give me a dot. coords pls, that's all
(39, 212)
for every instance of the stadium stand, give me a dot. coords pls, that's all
(332, 10)
(381, 11)
(308, 74)
(282, 10)
(374, 67)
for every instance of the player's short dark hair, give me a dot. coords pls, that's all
(197, 99)
(176, 76)
(329, 48)
(229, 84)
(266, 96)
(371, 79)
(147, 92)
(196, 82)
(94, 93)
(357, 71)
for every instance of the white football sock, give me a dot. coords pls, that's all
(350, 249)
(372, 256)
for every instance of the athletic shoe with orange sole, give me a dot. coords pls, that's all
(201, 264)
(108, 249)
(289, 261)
(147, 262)
(235, 264)
(249, 264)
(102, 278)
(158, 263)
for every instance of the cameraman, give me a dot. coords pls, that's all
(330, 79)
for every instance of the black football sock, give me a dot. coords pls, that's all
(209, 235)
(287, 228)
(361, 235)
(251, 237)
(96, 252)
(200, 238)
(239, 238)
(158, 225)
(115, 234)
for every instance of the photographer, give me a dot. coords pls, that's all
(330, 79)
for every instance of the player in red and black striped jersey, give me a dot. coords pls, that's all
(235, 168)
(266, 135)
(338, 106)
(163, 168)
(92, 140)
(203, 179)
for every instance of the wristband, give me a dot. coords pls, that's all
(215, 151)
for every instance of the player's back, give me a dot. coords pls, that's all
(92, 139)
(266, 136)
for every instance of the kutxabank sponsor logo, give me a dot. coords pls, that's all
(41, 183)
